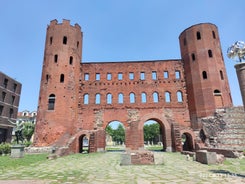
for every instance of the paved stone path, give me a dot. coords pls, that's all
(102, 168)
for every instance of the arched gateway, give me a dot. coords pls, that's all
(78, 99)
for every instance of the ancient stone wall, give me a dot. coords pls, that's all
(226, 129)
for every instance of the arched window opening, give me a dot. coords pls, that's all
(214, 36)
(47, 78)
(120, 98)
(109, 98)
(187, 142)
(71, 60)
(51, 102)
(143, 97)
(97, 98)
(64, 40)
(179, 96)
(155, 97)
(167, 97)
(221, 75)
(85, 99)
(56, 58)
(198, 35)
(210, 53)
(217, 92)
(62, 78)
(218, 100)
(185, 43)
(193, 57)
(132, 97)
(51, 40)
(204, 75)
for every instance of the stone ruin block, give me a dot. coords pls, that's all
(137, 158)
(205, 157)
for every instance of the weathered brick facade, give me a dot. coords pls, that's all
(80, 99)
(10, 91)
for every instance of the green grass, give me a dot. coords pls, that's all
(154, 148)
(6, 162)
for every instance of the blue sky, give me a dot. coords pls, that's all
(114, 30)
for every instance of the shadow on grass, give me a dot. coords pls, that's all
(227, 173)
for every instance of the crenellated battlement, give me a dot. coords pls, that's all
(65, 22)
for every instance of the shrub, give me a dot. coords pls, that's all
(27, 143)
(5, 148)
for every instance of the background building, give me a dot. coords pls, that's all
(10, 91)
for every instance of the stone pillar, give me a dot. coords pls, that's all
(240, 70)
(17, 151)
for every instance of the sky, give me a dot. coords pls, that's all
(113, 30)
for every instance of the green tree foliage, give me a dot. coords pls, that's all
(28, 130)
(151, 132)
(118, 134)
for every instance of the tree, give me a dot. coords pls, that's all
(151, 132)
(118, 134)
(28, 130)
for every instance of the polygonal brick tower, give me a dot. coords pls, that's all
(206, 79)
(58, 98)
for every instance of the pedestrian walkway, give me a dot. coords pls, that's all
(99, 168)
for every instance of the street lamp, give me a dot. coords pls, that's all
(237, 50)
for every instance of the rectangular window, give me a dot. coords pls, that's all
(120, 76)
(154, 75)
(165, 74)
(3, 96)
(142, 75)
(131, 76)
(108, 76)
(177, 74)
(1, 109)
(11, 113)
(5, 83)
(97, 76)
(13, 99)
(14, 87)
(86, 76)
(55, 58)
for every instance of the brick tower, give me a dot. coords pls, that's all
(206, 78)
(59, 89)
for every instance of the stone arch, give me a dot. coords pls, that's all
(165, 126)
(119, 145)
(188, 144)
(78, 146)
(83, 142)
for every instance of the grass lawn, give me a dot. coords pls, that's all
(6, 162)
